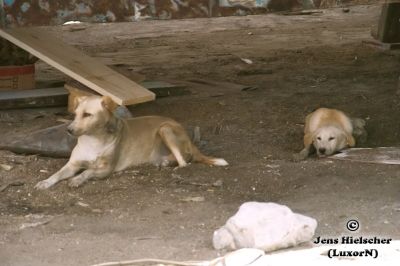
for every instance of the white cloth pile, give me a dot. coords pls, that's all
(265, 226)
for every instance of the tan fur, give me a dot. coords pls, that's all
(107, 144)
(329, 130)
(109, 104)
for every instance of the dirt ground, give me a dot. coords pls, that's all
(299, 63)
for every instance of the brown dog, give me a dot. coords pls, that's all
(329, 131)
(107, 144)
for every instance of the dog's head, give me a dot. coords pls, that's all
(93, 115)
(330, 139)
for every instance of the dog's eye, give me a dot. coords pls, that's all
(86, 115)
(319, 138)
(331, 138)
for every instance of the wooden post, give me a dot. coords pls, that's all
(2, 15)
(387, 36)
(389, 24)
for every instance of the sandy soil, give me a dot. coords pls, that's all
(299, 63)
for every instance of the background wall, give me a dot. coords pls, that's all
(46, 12)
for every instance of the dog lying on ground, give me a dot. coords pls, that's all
(329, 131)
(109, 144)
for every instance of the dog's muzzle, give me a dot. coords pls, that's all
(70, 130)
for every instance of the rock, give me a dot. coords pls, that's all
(6, 167)
(265, 226)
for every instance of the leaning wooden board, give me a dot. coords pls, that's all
(85, 69)
(380, 155)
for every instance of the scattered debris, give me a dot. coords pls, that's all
(36, 224)
(218, 129)
(196, 135)
(77, 28)
(176, 176)
(82, 204)
(152, 261)
(193, 199)
(219, 94)
(250, 88)
(139, 238)
(246, 256)
(11, 184)
(195, 184)
(131, 172)
(43, 171)
(164, 89)
(251, 72)
(218, 183)
(6, 167)
(302, 13)
(247, 61)
(72, 22)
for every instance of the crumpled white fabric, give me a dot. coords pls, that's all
(266, 226)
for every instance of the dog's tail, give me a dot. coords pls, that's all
(201, 158)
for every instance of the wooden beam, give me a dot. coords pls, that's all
(33, 98)
(85, 69)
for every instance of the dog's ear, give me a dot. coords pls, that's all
(76, 101)
(350, 140)
(308, 139)
(108, 103)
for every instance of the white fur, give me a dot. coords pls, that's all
(219, 162)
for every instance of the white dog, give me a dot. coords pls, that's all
(329, 131)
(107, 144)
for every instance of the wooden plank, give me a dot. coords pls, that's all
(85, 69)
(380, 155)
(159, 88)
(59, 96)
(33, 98)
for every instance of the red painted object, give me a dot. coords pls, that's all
(16, 70)
(17, 77)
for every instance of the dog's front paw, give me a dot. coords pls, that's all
(44, 184)
(76, 182)
(181, 165)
